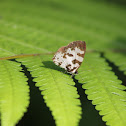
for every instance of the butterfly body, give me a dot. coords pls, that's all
(71, 56)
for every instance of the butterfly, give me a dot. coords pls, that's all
(71, 56)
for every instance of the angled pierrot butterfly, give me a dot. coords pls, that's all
(71, 56)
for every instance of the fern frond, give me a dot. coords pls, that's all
(57, 89)
(14, 93)
(104, 89)
(119, 59)
(38, 27)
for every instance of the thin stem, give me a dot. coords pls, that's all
(24, 55)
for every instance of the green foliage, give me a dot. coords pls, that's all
(14, 93)
(28, 27)
(104, 89)
(60, 96)
(118, 59)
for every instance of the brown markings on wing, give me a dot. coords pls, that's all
(68, 67)
(70, 55)
(76, 61)
(64, 56)
(82, 46)
(62, 50)
(79, 44)
(59, 63)
(73, 69)
(81, 55)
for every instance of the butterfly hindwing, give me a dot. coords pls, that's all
(70, 57)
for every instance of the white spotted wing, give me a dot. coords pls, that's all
(71, 56)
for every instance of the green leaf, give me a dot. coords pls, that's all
(118, 59)
(14, 93)
(104, 89)
(57, 89)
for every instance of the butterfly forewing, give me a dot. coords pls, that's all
(71, 56)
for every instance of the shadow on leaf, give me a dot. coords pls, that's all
(51, 65)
